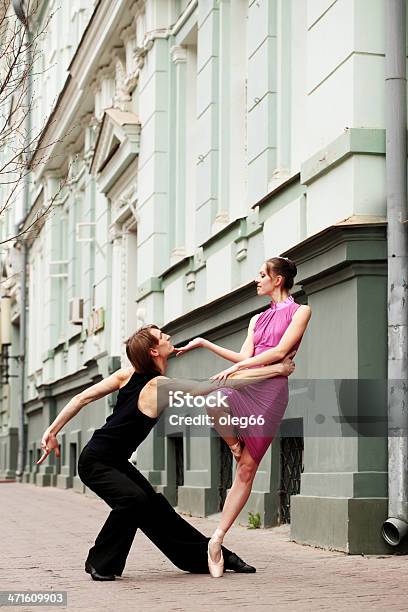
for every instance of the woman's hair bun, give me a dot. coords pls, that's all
(292, 267)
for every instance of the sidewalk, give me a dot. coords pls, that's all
(46, 533)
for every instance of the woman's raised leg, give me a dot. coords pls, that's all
(220, 418)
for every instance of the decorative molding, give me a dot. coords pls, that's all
(116, 147)
(115, 232)
(221, 220)
(242, 249)
(199, 260)
(178, 254)
(104, 73)
(190, 281)
(127, 33)
(141, 52)
(354, 141)
(122, 96)
(125, 216)
(151, 285)
(178, 54)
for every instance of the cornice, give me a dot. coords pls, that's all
(338, 247)
(105, 19)
(80, 379)
(335, 255)
(102, 33)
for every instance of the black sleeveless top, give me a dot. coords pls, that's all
(127, 427)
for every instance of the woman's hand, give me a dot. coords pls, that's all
(195, 343)
(222, 376)
(49, 443)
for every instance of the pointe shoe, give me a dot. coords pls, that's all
(236, 450)
(216, 568)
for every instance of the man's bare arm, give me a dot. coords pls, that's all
(106, 386)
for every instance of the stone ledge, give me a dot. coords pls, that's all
(348, 525)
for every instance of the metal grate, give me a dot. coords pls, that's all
(179, 454)
(291, 469)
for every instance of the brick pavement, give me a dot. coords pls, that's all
(46, 532)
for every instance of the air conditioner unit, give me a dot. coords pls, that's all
(76, 311)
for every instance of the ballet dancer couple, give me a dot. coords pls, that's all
(257, 384)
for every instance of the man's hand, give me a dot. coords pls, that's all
(288, 366)
(49, 443)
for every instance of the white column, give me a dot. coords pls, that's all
(224, 118)
(179, 57)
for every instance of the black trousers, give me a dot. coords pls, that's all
(135, 504)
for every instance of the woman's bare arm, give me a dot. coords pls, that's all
(247, 349)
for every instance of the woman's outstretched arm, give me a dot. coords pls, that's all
(247, 349)
(106, 386)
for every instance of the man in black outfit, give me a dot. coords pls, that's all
(104, 464)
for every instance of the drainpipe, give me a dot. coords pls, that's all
(19, 10)
(395, 528)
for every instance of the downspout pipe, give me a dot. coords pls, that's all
(395, 528)
(23, 274)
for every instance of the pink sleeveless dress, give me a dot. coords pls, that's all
(264, 401)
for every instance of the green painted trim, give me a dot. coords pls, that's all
(228, 234)
(336, 234)
(248, 227)
(223, 237)
(151, 285)
(182, 266)
(281, 196)
(48, 355)
(354, 141)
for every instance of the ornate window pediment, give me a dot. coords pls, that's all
(116, 147)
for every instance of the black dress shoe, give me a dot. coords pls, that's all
(94, 574)
(236, 564)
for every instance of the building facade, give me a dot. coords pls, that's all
(186, 142)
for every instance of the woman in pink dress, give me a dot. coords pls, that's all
(272, 335)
